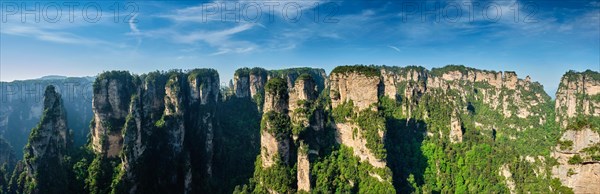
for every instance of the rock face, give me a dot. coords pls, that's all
(45, 167)
(578, 95)
(577, 98)
(171, 114)
(362, 89)
(258, 79)
(250, 82)
(350, 135)
(275, 128)
(241, 85)
(456, 133)
(303, 174)
(300, 97)
(110, 105)
(460, 87)
(510, 183)
(581, 177)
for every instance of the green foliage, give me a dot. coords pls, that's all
(160, 123)
(341, 172)
(564, 145)
(279, 177)
(576, 159)
(571, 172)
(210, 74)
(369, 71)
(371, 125)
(574, 75)
(100, 175)
(460, 68)
(276, 123)
(582, 122)
(237, 143)
(276, 86)
(343, 111)
(305, 76)
(259, 100)
(245, 72)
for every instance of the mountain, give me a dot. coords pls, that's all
(360, 129)
(21, 106)
(45, 160)
(578, 149)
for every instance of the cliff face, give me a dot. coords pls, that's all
(361, 88)
(355, 86)
(112, 94)
(45, 167)
(578, 94)
(577, 112)
(291, 124)
(501, 91)
(251, 82)
(155, 119)
(275, 127)
(466, 90)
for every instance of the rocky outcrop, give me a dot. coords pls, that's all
(110, 104)
(170, 113)
(508, 180)
(300, 98)
(45, 165)
(361, 85)
(577, 104)
(241, 84)
(578, 95)
(582, 175)
(456, 133)
(250, 82)
(258, 79)
(275, 127)
(303, 174)
(350, 135)
(461, 86)
(362, 89)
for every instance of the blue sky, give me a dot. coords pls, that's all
(547, 38)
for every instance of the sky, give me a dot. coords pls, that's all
(543, 39)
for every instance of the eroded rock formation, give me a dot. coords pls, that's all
(157, 119)
(45, 167)
(577, 111)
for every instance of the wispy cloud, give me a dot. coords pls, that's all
(395, 48)
(50, 35)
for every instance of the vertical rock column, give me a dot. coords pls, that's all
(275, 126)
(110, 104)
(44, 154)
(362, 89)
(302, 96)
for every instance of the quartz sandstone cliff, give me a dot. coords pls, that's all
(576, 98)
